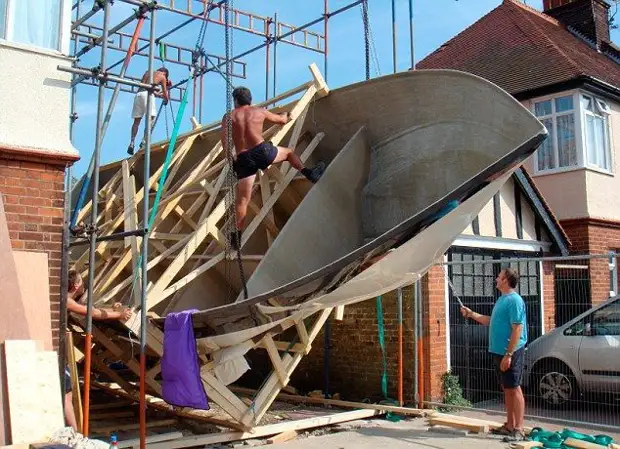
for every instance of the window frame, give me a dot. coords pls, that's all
(579, 113)
(64, 30)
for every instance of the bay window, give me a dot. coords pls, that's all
(33, 22)
(579, 132)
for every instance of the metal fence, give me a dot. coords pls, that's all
(571, 375)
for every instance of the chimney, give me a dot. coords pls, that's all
(589, 17)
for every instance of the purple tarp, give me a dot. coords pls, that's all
(180, 370)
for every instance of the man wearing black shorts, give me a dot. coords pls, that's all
(507, 339)
(253, 153)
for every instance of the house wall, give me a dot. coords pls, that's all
(39, 98)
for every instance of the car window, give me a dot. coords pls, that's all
(576, 329)
(606, 321)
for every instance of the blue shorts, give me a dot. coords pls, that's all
(513, 376)
(258, 158)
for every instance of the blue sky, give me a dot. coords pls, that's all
(435, 21)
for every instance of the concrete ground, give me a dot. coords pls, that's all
(415, 433)
(378, 433)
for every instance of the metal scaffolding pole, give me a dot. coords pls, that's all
(127, 21)
(145, 246)
(411, 38)
(93, 229)
(282, 37)
(102, 76)
(394, 35)
(326, 14)
(98, 5)
(275, 54)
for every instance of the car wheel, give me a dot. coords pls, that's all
(555, 385)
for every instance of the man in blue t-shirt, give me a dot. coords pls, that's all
(507, 339)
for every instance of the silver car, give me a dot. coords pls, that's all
(580, 357)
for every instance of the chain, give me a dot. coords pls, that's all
(231, 215)
(366, 37)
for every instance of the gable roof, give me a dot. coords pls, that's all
(521, 49)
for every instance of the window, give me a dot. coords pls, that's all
(596, 130)
(579, 132)
(33, 22)
(606, 321)
(560, 148)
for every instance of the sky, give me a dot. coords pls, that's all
(435, 21)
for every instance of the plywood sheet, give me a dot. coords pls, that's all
(33, 387)
(33, 277)
(13, 317)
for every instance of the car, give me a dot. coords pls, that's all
(578, 358)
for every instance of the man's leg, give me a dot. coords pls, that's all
(286, 154)
(134, 133)
(69, 412)
(244, 194)
(515, 402)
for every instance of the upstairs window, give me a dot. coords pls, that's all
(32, 22)
(596, 131)
(579, 133)
(560, 149)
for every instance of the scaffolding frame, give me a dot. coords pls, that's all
(271, 30)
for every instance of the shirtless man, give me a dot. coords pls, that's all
(75, 304)
(160, 77)
(253, 153)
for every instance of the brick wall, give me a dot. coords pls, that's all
(594, 236)
(32, 190)
(548, 278)
(356, 362)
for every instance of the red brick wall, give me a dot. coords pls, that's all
(548, 278)
(594, 236)
(32, 191)
(434, 325)
(356, 362)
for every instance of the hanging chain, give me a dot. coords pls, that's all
(366, 37)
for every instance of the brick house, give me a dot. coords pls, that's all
(35, 148)
(562, 65)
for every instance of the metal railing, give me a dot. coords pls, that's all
(570, 375)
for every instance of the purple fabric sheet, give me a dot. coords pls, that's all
(180, 370)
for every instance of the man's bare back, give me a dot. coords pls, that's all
(159, 78)
(247, 126)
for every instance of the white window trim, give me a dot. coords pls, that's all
(580, 137)
(64, 36)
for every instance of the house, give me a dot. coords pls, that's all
(562, 65)
(35, 147)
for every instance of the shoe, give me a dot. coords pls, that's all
(515, 435)
(314, 174)
(130, 149)
(503, 430)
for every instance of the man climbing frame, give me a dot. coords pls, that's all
(253, 153)
(160, 78)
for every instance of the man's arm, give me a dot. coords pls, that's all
(482, 319)
(280, 119)
(98, 314)
(515, 335)
(163, 82)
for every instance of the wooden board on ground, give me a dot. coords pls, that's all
(135, 442)
(33, 387)
(33, 277)
(579, 444)
(459, 423)
(282, 437)
(263, 431)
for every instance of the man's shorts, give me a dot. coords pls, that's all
(139, 105)
(258, 158)
(67, 380)
(513, 376)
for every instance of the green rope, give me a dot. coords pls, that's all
(162, 180)
(555, 440)
(384, 376)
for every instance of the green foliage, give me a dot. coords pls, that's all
(452, 393)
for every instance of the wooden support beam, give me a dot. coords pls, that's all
(276, 361)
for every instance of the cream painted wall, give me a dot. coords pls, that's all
(36, 100)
